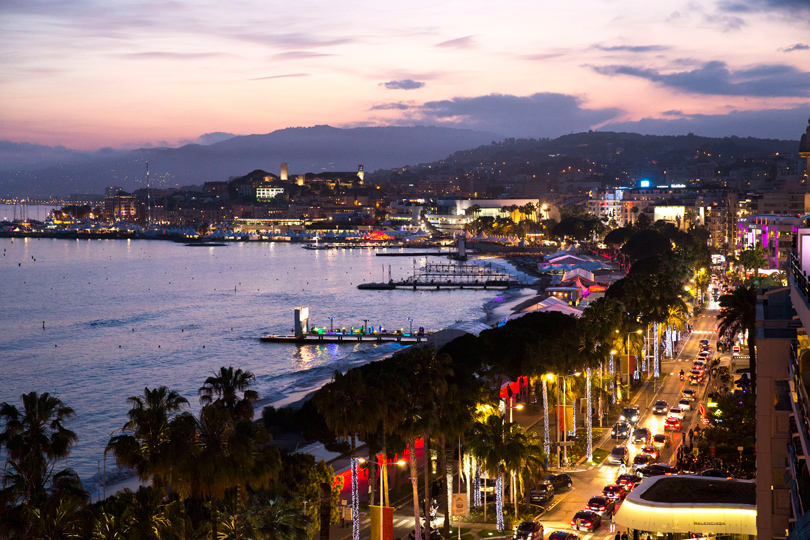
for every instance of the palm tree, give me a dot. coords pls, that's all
(738, 314)
(345, 404)
(223, 388)
(500, 446)
(33, 439)
(148, 516)
(532, 465)
(211, 470)
(276, 518)
(145, 441)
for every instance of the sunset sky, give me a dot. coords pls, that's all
(88, 74)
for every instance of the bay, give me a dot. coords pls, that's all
(121, 315)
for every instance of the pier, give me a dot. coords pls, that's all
(317, 339)
(311, 335)
(449, 275)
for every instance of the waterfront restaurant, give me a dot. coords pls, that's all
(678, 507)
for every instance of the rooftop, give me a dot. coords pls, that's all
(692, 490)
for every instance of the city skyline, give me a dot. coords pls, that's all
(86, 75)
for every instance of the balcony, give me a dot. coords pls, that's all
(799, 264)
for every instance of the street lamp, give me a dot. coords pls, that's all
(410, 320)
(383, 491)
(512, 479)
(331, 324)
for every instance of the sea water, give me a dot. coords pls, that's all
(96, 321)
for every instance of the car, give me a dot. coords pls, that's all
(661, 440)
(586, 520)
(699, 366)
(642, 460)
(562, 535)
(695, 379)
(650, 450)
(628, 480)
(704, 341)
(621, 430)
(672, 423)
(559, 481)
(630, 414)
(602, 505)
(614, 491)
(675, 412)
(656, 469)
(704, 354)
(542, 492)
(716, 473)
(641, 435)
(689, 394)
(685, 404)
(529, 530)
(618, 454)
(660, 407)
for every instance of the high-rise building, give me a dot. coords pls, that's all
(283, 173)
(112, 191)
(360, 173)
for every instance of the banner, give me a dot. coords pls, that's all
(566, 421)
(459, 505)
(387, 527)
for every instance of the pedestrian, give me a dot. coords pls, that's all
(624, 536)
(618, 536)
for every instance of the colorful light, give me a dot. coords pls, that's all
(546, 438)
(499, 501)
(477, 484)
(355, 502)
(612, 381)
(588, 416)
(656, 366)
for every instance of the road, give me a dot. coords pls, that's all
(588, 481)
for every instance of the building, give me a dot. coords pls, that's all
(112, 191)
(773, 232)
(283, 172)
(121, 206)
(674, 507)
(265, 193)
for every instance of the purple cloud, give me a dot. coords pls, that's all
(397, 106)
(631, 48)
(404, 84)
(795, 47)
(714, 78)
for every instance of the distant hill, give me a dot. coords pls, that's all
(313, 149)
(621, 155)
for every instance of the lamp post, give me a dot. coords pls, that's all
(331, 324)
(365, 326)
(384, 492)
(410, 320)
(628, 352)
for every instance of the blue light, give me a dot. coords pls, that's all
(644, 183)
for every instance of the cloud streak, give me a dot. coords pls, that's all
(796, 47)
(631, 48)
(285, 76)
(714, 78)
(465, 42)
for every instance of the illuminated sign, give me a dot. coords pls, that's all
(644, 183)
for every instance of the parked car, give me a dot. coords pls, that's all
(618, 454)
(529, 530)
(656, 469)
(621, 430)
(559, 481)
(562, 535)
(641, 435)
(628, 480)
(542, 492)
(602, 505)
(586, 520)
(660, 407)
(672, 423)
(630, 414)
(661, 441)
(615, 491)
(675, 412)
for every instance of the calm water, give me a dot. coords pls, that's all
(121, 315)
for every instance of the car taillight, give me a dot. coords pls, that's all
(573, 522)
(601, 508)
(587, 523)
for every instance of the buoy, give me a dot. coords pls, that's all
(203, 346)
(158, 346)
(182, 330)
(43, 325)
(55, 345)
(119, 346)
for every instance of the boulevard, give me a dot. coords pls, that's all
(588, 481)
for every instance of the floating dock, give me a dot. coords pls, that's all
(317, 339)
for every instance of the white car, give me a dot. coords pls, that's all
(685, 404)
(675, 412)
